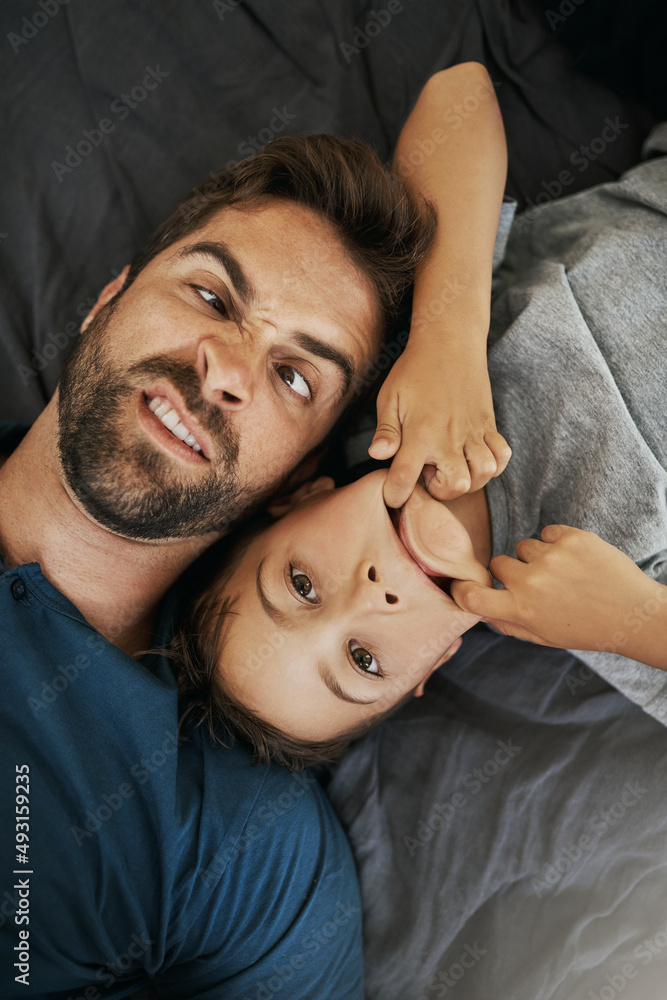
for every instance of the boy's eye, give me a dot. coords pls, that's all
(303, 586)
(364, 660)
(294, 380)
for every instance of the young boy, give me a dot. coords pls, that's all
(331, 620)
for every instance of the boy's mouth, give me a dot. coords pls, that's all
(397, 519)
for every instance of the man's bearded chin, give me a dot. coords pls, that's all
(120, 478)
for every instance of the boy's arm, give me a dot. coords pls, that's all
(575, 591)
(435, 406)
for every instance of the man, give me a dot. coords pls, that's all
(203, 377)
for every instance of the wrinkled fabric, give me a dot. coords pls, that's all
(88, 170)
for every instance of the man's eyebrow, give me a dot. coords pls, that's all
(320, 348)
(334, 686)
(277, 616)
(220, 253)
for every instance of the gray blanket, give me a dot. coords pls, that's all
(511, 834)
(578, 365)
(510, 827)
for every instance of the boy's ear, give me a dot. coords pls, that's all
(282, 505)
(106, 295)
(454, 648)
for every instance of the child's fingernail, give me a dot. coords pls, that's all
(379, 444)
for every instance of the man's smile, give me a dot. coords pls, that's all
(163, 409)
(167, 421)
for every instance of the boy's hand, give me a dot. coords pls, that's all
(436, 409)
(572, 590)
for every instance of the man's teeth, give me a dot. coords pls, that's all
(169, 417)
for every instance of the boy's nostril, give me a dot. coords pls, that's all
(391, 599)
(372, 574)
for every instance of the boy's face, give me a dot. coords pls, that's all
(335, 621)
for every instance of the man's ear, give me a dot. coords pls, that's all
(454, 648)
(283, 505)
(106, 295)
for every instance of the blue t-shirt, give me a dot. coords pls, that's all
(127, 858)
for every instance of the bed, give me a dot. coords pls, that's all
(509, 827)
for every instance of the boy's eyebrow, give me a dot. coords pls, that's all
(277, 616)
(334, 686)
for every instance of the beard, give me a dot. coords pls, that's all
(120, 478)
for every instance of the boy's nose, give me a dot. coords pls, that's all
(372, 591)
(228, 373)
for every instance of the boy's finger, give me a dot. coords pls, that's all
(451, 479)
(501, 450)
(530, 548)
(386, 440)
(404, 472)
(481, 463)
(482, 601)
(552, 532)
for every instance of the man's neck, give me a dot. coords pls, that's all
(116, 583)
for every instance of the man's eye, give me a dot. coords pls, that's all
(294, 380)
(364, 660)
(302, 585)
(212, 299)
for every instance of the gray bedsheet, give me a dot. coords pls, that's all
(510, 829)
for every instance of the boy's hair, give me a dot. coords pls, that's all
(384, 228)
(204, 700)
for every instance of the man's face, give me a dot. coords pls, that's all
(334, 621)
(226, 361)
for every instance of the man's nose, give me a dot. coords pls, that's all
(228, 373)
(373, 593)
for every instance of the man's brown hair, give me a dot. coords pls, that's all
(384, 228)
